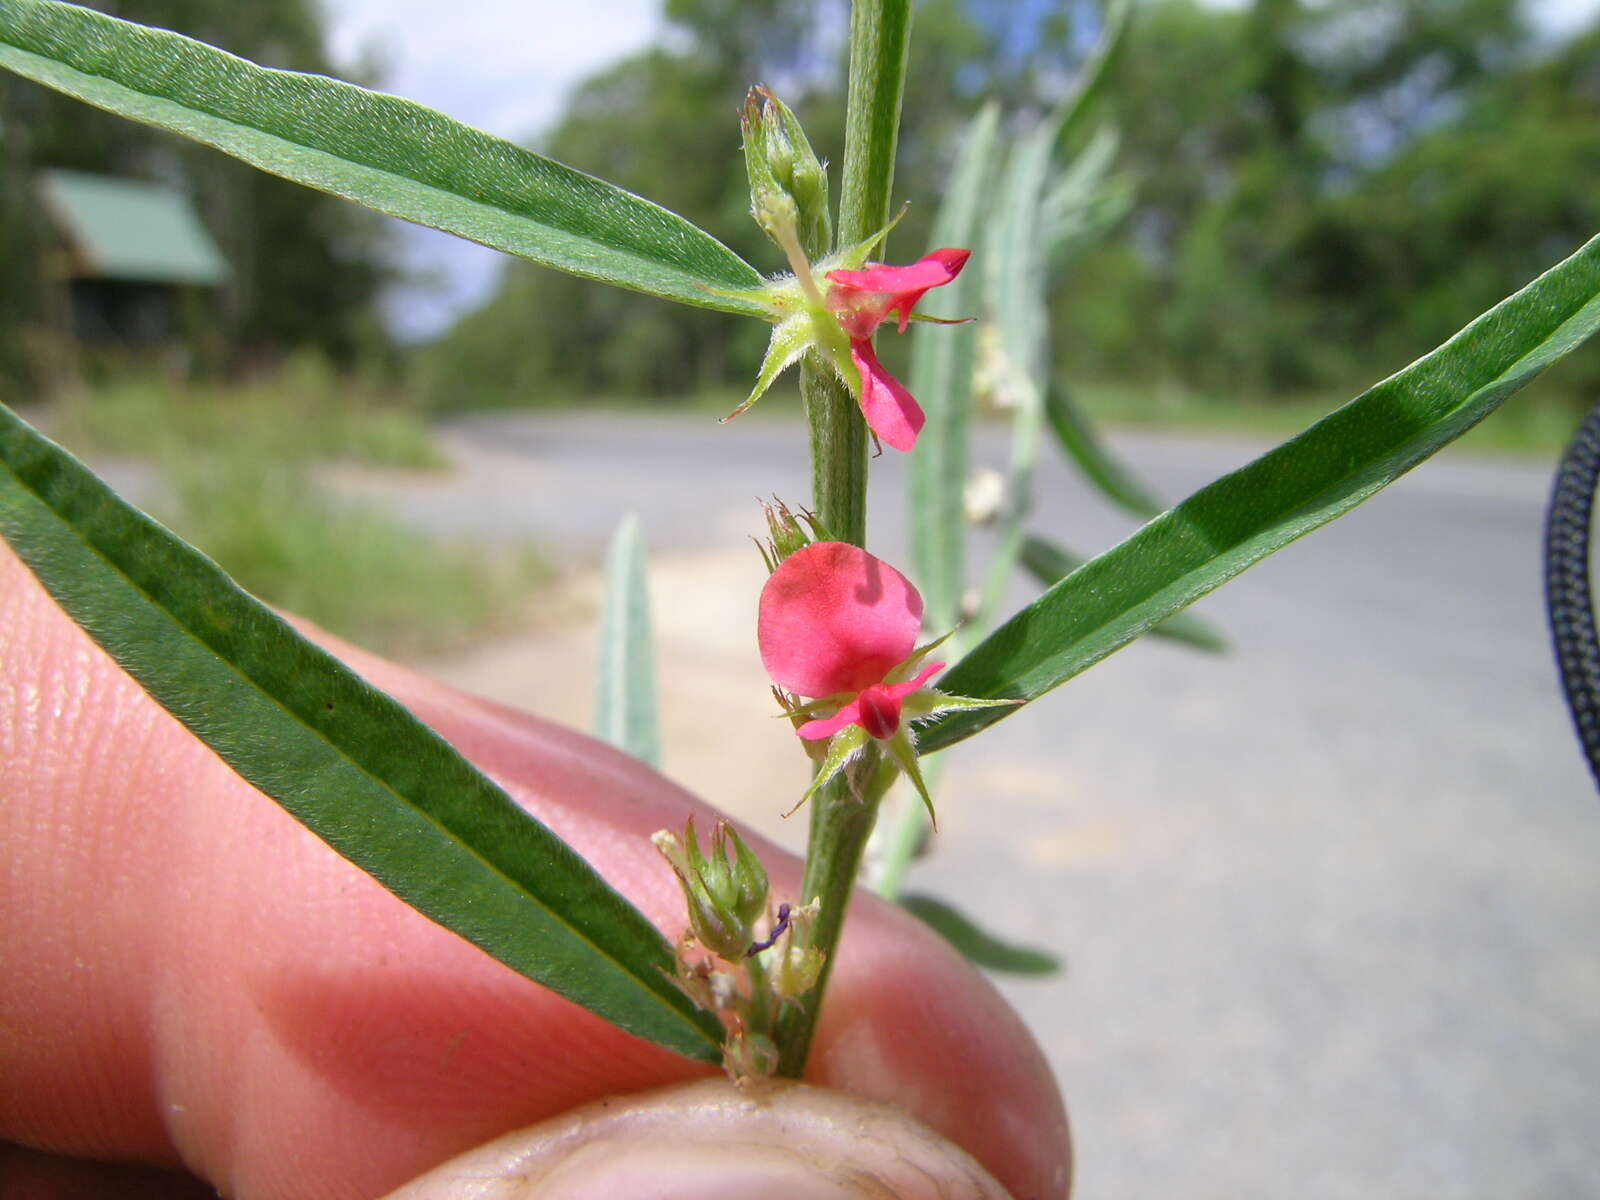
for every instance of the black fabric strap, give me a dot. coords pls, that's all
(1568, 596)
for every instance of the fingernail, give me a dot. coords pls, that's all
(667, 1170)
(712, 1141)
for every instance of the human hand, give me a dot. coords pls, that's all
(191, 979)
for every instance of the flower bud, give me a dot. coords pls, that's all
(725, 895)
(749, 1056)
(788, 183)
(747, 880)
(788, 532)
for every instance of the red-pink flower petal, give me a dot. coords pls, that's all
(902, 690)
(826, 727)
(862, 300)
(876, 709)
(891, 411)
(879, 289)
(835, 619)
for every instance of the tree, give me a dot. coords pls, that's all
(306, 267)
(664, 123)
(1324, 183)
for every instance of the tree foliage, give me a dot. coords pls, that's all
(306, 268)
(1338, 185)
(664, 123)
(1319, 186)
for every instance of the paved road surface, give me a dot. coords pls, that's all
(1330, 903)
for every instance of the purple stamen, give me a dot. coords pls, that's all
(777, 932)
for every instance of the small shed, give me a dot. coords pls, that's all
(125, 249)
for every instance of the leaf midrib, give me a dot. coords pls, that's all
(631, 254)
(338, 749)
(1334, 489)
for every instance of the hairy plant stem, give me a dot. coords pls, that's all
(760, 997)
(841, 821)
(842, 816)
(838, 452)
(880, 36)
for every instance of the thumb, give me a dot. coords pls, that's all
(711, 1140)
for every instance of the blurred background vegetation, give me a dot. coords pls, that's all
(1319, 191)
(1314, 194)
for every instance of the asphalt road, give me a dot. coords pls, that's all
(1329, 902)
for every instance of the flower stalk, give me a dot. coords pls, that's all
(880, 32)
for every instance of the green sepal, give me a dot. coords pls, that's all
(852, 258)
(790, 338)
(725, 891)
(905, 754)
(841, 748)
(813, 709)
(788, 532)
(928, 702)
(909, 667)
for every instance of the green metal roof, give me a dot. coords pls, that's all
(125, 229)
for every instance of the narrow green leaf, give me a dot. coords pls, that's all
(1314, 477)
(1095, 73)
(625, 698)
(1077, 437)
(1050, 564)
(976, 945)
(345, 759)
(1083, 201)
(1019, 350)
(941, 379)
(382, 151)
(1075, 186)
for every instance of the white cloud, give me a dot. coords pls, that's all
(1564, 16)
(502, 65)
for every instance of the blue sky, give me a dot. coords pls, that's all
(506, 66)
(501, 65)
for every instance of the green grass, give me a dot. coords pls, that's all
(354, 571)
(238, 480)
(302, 412)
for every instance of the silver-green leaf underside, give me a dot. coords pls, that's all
(941, 378)
(625, 695)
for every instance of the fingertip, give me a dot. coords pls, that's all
(911, 1023)
(712, 1140)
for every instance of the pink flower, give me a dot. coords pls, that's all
(862, 300)
(835, 624)
(840, 626)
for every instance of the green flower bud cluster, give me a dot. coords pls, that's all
(788, 531)
(720, 964)
(726, 891)
(788, 182)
